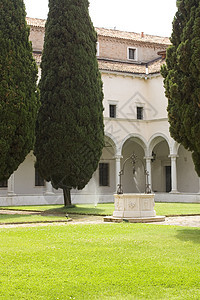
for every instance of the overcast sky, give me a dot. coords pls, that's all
(150, 16)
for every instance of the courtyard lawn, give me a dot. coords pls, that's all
(107, 261)
(18, 218)
(165, 209)
(170, 209)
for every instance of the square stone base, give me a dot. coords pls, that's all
(134, 208)
(134, 220)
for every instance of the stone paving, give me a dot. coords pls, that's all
(188, 221)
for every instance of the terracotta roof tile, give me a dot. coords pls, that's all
(146, 38)
(121, 67)
(115, 66)
(155, 67)
(124, 67)
(36, 22)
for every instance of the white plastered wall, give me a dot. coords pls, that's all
(25, 178)
(188, 180)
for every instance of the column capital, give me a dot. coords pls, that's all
(173, 156)
(148, 157)
(118, 156)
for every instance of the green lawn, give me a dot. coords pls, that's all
(107, 209)
(107, 261)
(17, 218)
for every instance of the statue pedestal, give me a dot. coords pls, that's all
(134, 208)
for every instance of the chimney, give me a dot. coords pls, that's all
(142, 34)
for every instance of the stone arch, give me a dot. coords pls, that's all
(111, 140)
(159, 149)
(137, 138)
(156, 139)
(134, 181)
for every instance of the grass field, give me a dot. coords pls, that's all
(165, 209)
(107, 261)
(18, 218)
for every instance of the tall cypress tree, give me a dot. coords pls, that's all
(182, 78)
(69, 131)
(18, 88)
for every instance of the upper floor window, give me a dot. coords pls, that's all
(112, 111)
(132, 53)
(140, 113)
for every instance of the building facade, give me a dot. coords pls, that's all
(135, 118)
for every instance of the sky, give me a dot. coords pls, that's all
(148, 16)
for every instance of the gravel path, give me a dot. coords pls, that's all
(18, 212)
(188, 221)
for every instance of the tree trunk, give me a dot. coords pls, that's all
(67, 197)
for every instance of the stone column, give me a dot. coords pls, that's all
(11, 185)
(49, 188)
(118, 168)
(148, 168)
(174, 173)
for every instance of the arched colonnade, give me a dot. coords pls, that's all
(169, 165)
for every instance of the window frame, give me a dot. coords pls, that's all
(112, 102)
(140, 112)
(135, 53)
(114, 106)
(104, 174)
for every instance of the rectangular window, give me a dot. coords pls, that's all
(140, 113)
(39, 181)
(4, 184)
(112, 109)
(132, 53)
(104, 174)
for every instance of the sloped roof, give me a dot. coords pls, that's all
(145, 38)
(36, 22)
(132, 36)
(124, 67)
(118, 66)
(121, 67)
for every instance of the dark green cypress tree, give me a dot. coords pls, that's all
(182, 78)
(69, 131)
(18, 88)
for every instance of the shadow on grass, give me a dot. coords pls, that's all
(23, 219)
(190, 234)
(76, 210)
(4, 217)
